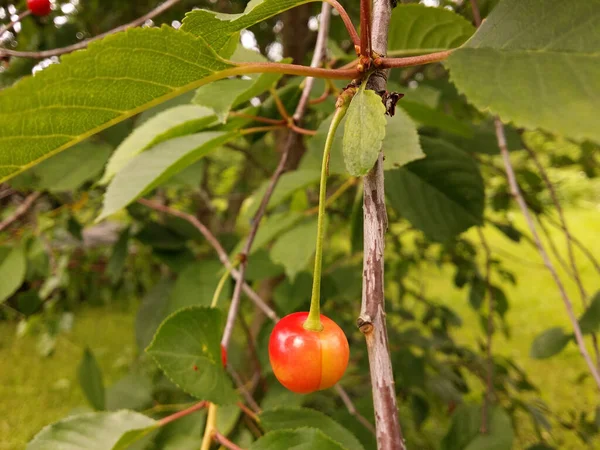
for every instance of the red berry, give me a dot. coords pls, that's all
(306, 361)
(39, 7)
(223, 356)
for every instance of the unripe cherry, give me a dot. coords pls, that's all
(39, 7)
(305, 361)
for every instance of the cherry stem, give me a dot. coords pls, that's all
(313, 321)
(211, 427)
(389, 63)
(179, 414)
(222, 281)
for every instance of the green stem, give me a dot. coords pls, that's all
(313, 321)
(219, 288)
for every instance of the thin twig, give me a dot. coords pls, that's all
(372, 322)
(12, 23)
(221, 253)
(580, 245)
(244, 391)
(409, 61)
(198, 406)
(20, 211)
(569, 239)
(318, 55)
(347, 22)
(523, 206)
(352, 409)
(490, 329)
(299, 113)
(83, 44)
(248, 412)
(476, 13)
(220, 439)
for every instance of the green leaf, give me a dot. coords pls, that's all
(92, 431)
(549, 343)
(431, 117)
(500, 435)
(171, 123)
(400, 145)
(118, 257)
(221, 30)
(196, 285)
(130, 437)
(300, 439)
(224, 95)
(292, 256)
(187, 348)
(93, 89)
(363, 132)
(477, 293)
(483, 139)
(13, 267)
(293, 418)
(153, 167)
(68, 170)
(590, 320)
(536, 64)
(442, 194)
(133, 391)
(417, 29)
(90, 380)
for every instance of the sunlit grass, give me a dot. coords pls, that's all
(35, 391)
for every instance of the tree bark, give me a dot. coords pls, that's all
(372, 318)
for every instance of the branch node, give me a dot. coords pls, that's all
(365, 324)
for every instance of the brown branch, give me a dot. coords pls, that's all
(372, 315)
(476, 13)
(490, 329)
(243, 390)
(20, 211)
(83, 44)
(12, 23)
(347, 21)
(523, 206)
(248, 412)
(409, 61)
(352, 409)
(220, 439)
(216, 245)
(197, 407)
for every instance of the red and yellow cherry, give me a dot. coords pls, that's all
(39, 7)
(305, 361)
(223, 356)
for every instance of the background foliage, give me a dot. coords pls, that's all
(81, 299)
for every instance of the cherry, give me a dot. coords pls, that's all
(305, 361)
(39, 7)
(223, 356)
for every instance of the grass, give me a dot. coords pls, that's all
(36, 391)
(535, 305)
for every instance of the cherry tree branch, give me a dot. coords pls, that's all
(83, 44)
(408, 61)
(371, 321)
(352, 409)
(516, 193)
(12, 23)
(20, 211)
